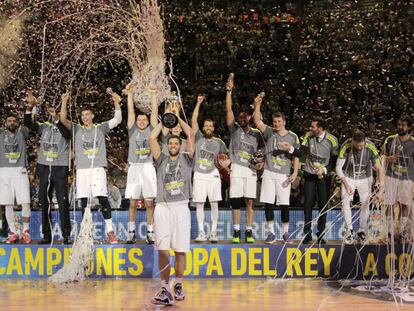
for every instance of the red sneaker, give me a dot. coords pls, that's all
(12, 238)
(26, 237)
(112, 238)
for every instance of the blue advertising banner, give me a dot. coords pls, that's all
(335, 224)
(215, 261)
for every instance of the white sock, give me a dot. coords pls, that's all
(236, 227)
(108, 225)
(178, 280)
(285, 227)
(200, 216)
(131, 225)
(270, 227)
(10, 218)
(165, 285)
(214, 215)
(26, 226)
(150, 228)
(249, 227)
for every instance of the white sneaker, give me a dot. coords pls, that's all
(201, 237)
(213, 237)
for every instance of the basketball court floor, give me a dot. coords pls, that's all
(201, 294)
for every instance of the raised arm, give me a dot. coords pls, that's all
(117, 119)
(194, 118)
(153, 140)
(189, 147)
(30, 104)
(168, 108)
(64, 131)
(130, 103)
(154, 107)
(229, 100)
(257, 115)
(64, 111)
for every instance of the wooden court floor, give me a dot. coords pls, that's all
(201, 294)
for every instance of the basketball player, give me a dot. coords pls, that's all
(321, 150)
(172, 220)
(277, 177)
(14, 180)
(90, 157)
(52, 168)
(244, 142)
(357, 157)
(399, 158)
(141, 178)
(207, 181)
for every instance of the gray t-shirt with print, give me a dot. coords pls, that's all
(139, 148)
(90, 146)
(13, 147)
(54, 148)
(320, 151)
(173, 178)
(206, 151)
(243, 145)
(279, 161)
(358, 164)
(403, 168)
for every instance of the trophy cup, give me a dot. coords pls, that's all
(169, 119)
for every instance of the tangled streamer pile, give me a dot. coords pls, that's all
(78, 267)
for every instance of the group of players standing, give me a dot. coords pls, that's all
(170, 170)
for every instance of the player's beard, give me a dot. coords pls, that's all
(12, 128)
(174, 152)
(402, 132)
(208, 134)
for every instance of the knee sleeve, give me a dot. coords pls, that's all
(269, 212)
(26, 210)
(236, 203)
(106, 207)
(285, 213)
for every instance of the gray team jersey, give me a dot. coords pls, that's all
(164, 142)
(358, 165)
(54, 148)
(139, 148)
(206, 150)
(13, 147)
(244, 145)
(90, 145)
(403, 168)
(277, 160)
(321, 151)
(173, 178)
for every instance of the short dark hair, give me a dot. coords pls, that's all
(279, 114)
(209, 120)
(140, 113)
(406, 119)
(87, 107)
(321, 122)
(245, 109)
(173, 136)
(358, 136)
(10, 114)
